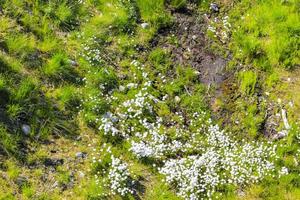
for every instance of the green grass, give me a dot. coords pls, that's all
(42, 87)
(248, 81)
(267, 33)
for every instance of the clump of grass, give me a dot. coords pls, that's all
(67, 97)
(248, 81)
(8, 143)
(57, 66)
(154, 12)
(179, 4)
(21, 44)
(267, 34)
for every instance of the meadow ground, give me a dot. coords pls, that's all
(149, 99)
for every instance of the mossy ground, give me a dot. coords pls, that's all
(57, 56)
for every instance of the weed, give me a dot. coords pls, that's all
(248, 81)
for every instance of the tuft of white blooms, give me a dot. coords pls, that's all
(222, 162)
(283, 171)
(119, 177)
(220, 28)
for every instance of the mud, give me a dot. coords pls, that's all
(193, 49)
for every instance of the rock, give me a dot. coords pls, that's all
(81, 155)
(78, 138)
(280, 135)
(73, 63)
(121, 88)
(107, 115)
(81, 174)
(197, 72)
(177, 99)
(194, 37)
(144, 25)
(26, 129)
(214, 7)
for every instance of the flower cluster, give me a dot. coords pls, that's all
(91, 52)
(154, 143)
(112, 172)
(220, 28)
(221, 162)
(119, 177)
(283, 171)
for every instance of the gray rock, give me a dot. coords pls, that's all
(144, 25)
(55, 184)
(280, 135)
(177, 99)
(73, 63)
(81, 174)
(214, 7)
(81, 155)
(121, 88)
(26, 129)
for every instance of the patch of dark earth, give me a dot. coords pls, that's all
(193, 49)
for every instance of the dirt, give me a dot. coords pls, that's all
(192, 48)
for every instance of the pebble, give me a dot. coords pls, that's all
(144, 25)
(53, 162)
(73, 63)
(81, 174)
(214, 7)
(26, 129)
(80, 155)
(280, 134)
(121, 88)
(177, 99)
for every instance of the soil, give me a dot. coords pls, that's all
(193, 49)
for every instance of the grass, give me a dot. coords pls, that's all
(248, 81)
(61, 62)
(267, 38)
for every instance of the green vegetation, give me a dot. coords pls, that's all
(96, 105)
(268, 33)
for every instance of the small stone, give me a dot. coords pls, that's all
(279, 100)
(78, 138)
(214, 7)
(280, 135)
(194, 37)
(80, 155)
(121, 88)
(26, 129)
(55, 184)
(73, 63)
(144, 25)
(197, 72)
(177, 99)
(81, 174)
